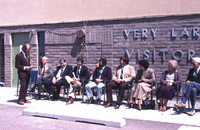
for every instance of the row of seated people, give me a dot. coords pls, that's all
(125, 73)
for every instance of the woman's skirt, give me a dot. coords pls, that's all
(141, 91)
(166, 92)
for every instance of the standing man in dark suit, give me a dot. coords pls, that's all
(192, 86)
(45, 75)
(59, 76)
(80, 72)
(23, 64)
(100, 74)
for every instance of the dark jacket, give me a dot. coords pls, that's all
(106, 74)
(84, 73)
(190, 76)
(67, 71)
(20, 62)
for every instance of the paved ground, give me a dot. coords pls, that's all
(135, 119)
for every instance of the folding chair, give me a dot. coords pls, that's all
(33, 78)
(66, 91)
(130, 86)
(150, 104)
(93, 89)
(178, 92)
(153, 91)
(82, 87)
(104, 90)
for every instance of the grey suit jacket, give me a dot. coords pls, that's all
(48, 71)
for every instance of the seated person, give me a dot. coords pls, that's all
(59, 77)
(91, 71)
(121, 77)
(45, 75)
(80, 72)
(192, 86)
(100, 74)
(145, 76)
(169, 81)
(2, 84)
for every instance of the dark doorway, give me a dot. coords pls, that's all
(41, 45)
(2, 58)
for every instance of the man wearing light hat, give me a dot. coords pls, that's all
(192, 86)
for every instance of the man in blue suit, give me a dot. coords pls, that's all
(192, 86)
(59, 77)
(80, 72)
(100, 74)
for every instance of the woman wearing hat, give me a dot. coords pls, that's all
(145, 76)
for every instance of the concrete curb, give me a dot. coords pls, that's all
(76, 116)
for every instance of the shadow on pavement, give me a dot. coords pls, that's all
(14, 100)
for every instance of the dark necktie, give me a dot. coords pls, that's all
(121, 76)
(77, 72)
(43, 71)
(27, 57)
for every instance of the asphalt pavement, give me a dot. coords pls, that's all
(135, 119)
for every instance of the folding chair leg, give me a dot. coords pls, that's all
(82, 94)
(66, 93)
(74, 92)
(128, 100)
(104, 100)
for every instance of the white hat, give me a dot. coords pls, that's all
(197, 59)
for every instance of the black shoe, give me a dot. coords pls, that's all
(31, 91)
(98, 101)
(38, 98)
(55, 98)
(91, 100)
